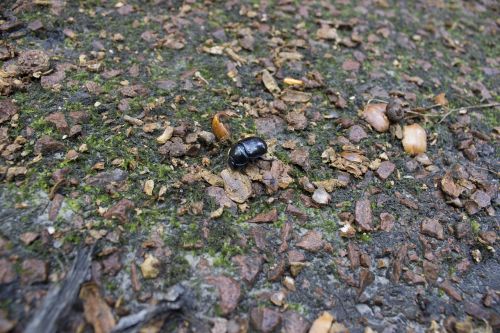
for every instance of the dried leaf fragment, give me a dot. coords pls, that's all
(330, 184)
(265, 217)
(270, 82)
(238, 186)
(350, 161)
(133, 121)
(149, 186)
(322, 324)
(441, 99)
(97, 312)
(294, 96)
(166, 135)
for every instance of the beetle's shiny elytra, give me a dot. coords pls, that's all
(246, 150)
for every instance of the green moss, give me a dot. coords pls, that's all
(177, 270)
(73, 238)
(475, 227)
(365, 237)
(491, 116)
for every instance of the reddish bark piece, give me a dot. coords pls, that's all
(450, 290)
(259, 236)
(220, 197)
(413, 278)
(488, 237)
(229, 292)
(285, 235)
(366, 277)
(265, 320)
(34, 270)
(79, 117)
(431, 270)
(109, 74)
(134, 90)
(295, 323)
(29, 62)
(353, 254)
(28, 237)
(125, 10)
(406, 202)
(250, 267)
(104, 179)
(136, 285)
(7, 272)
(357, 133)
(175, 147)
(166, 84)
(482, 198)
(395, 271)
(75, 130)
(386, 221)
(449, 187)
(112, 264)
(277, 177)
(365, 260)
(277, 270)
(295, 256)
(385, 169)
(55, 206)
(269, 126)
(293, 210)
(312, 241)
(53, 81)
(296, 120)
(35, 25)
(120, 211)
(300, 157)
(432, 228)
(351, 65)
(7, 110)
(363, 214)
(266, 217)
(47, 145)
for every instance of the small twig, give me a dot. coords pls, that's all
(425, 108)
(479, 106)
(486, 169)
(376, 100)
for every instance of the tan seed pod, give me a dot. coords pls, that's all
(414, 139)
(220, 130)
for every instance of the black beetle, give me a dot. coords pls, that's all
(246, 150)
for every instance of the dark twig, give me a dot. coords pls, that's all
(61, 297)
(177, 299)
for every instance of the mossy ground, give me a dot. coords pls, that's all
(109, 140)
